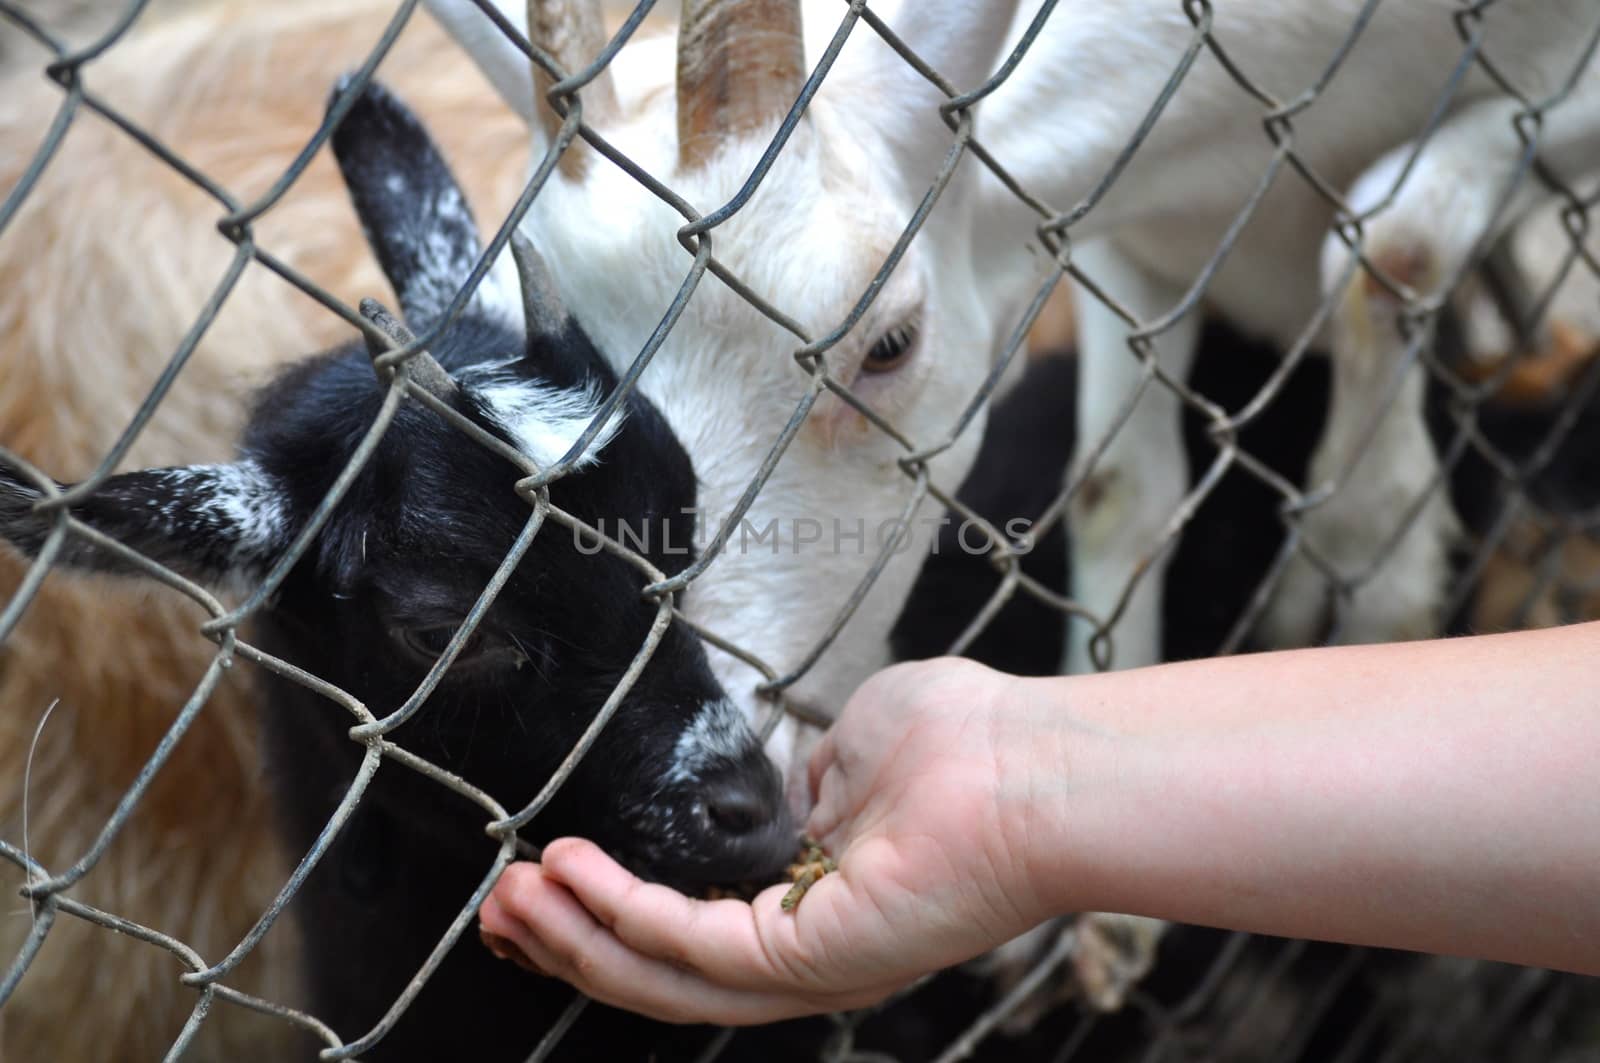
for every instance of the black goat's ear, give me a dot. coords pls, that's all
(214, 524)
(411, 208)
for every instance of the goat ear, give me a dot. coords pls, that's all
(961, 40)
(211, 523)
(572, 32)
(411, 208)
(502, 63)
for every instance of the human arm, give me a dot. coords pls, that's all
(1439, 796)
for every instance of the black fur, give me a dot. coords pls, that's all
(410, 206)
(388, 579)
(183, 518)
(417, 537)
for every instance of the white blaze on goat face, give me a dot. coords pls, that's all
(718, 736)
(543, 421)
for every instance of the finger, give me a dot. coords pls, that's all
(504, 948)
(517, 909)
(822, 759)
(723, 940)
(545, 920)
(830, 807)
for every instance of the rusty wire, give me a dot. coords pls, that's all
(1233, 974)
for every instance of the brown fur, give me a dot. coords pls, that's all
(101, 273)
(1536, 580)
(1541, 377)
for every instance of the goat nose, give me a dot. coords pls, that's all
(743, 832)
(744, 802)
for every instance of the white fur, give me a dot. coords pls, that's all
(500, 294)
(506, 67)
(1380, 464)
(1165, 215)
(1119, 514)
(719, 733)
(238, 500)
(543, 421)
(840, 193)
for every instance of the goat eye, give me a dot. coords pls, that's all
(892, 351)
(486, 649)
(427, 644)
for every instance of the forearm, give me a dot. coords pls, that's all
(1441, 796)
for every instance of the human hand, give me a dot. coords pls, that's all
(923, 791)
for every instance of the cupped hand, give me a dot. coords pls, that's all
(924, 795)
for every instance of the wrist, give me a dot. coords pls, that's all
(1074, 777)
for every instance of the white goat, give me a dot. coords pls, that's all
(825, 217)
(238, 89)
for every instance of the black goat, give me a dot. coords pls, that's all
(677, 785)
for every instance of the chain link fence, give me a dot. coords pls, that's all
(1512, 431)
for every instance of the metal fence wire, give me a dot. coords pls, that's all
(1533, 560)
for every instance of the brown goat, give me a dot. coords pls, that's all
(101, 272)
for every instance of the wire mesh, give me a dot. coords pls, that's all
(1531, 525)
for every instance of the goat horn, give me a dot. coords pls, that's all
(422, 369)
(741, 64)
(541, 303)
(572, 32)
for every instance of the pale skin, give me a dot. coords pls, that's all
(1441, 796)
